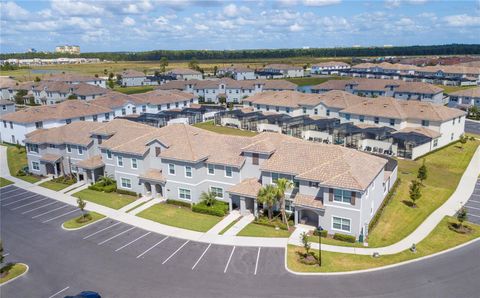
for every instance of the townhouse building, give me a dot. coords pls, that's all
(130, 78)
(16, 125)
(237, 73)
(278, 71)
(466, 98)
(337, 188)
(6, 106)
(5, 84)
(51, 92)
(73, 78)
(331, 67)
(185, 74)
(383, 87)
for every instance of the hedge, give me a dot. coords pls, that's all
(179, 203)
(345, 238)
(217, 209)
(385, 202)
(99, 187)
(126, 192)
(264, 221)
(323, 233)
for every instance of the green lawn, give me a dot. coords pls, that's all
(256, 230)
(229, 226)
(180, 217)
(112, 200)
(445, 168)
(56, 186)
(133, 90)
(451, 89)
(208, 125)
(308, 81)
(4, 182)
(73, 224)
(441, 238)
(17, 159)
(16, 270)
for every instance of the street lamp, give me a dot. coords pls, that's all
(319, 231)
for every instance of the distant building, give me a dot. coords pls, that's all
(185, 74)
(6, 106)
(31, 50)
(68, 49)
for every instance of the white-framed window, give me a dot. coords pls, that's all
(69, 148)
(341, 224)
(228, 172)
(211, 169)
(120, 161)
(217, 191)
(33, 148)
(126, 183)
(343, 196)
(109, 154)
(35, 166)
(188, 171)
(435, 143)
(184, 194)
(274, 177)
(80, 150)
(134, 163)
(171, 169)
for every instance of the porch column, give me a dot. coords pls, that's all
(296, 217)
(242, 205)
(55, 169)
(93, 176)
(153, 190)
(230, 205)
(255, 207)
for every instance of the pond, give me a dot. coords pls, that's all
(46, 71)
(305, 89)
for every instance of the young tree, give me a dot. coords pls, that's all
(72, 96)
(209, 198)
(105, 71)
(81, 205)
(415, 192)
(193, 64)
(462, 216)
(267, 195)
(163, 64)
(111, 84)
(19, 96)
(463, 140)
(305, 242)
(215, 69)
(282, 185)
(106, 180)
(37, 79)
(4, 268)
(422, 172)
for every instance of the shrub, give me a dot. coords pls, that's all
(344, 237)
(179, 203)
(263, 220)
(68, 180)
(385, 202)
(323, 233)
(104, 188)
(21, 173)
(217, 209)
(124, 192)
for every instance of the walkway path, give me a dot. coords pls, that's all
(43, 180)
(231, 217)
(135, 203)
(238, 226)
(462, 193)
(80, 185)
(145, 206)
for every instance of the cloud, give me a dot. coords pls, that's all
(289, 3)
(232, 10)
(77, 8)
(128, 21)
(405, 22)
(137, 7)
(295, 28)
(201, 27)
(462, 20)
(12, 11)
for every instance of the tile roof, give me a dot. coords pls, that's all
(93, 162)
(77, 133)
(421, 130)
(49, 157)
(130, 73)
(6, 102)
(308, 201)
(362, 84)
(330, 64)
(247, 187)
(472, 92)
(115, 99)
(6, 82)
(340, 99)
(183, 71)
(84, 89)
(71, 77)
(292, 99)
(156, 97)
(282, 67)
(153, 175)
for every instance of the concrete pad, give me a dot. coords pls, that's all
(215, 259)
(271, 261)
(243, 260)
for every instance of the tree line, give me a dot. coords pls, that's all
(175, 55)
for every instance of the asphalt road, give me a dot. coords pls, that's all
(472, 127)
(473, 205)
(118, 260)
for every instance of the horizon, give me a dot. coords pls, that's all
(137, 26)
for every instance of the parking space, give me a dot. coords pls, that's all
(473, 205)
(126, 240)
(472, 127)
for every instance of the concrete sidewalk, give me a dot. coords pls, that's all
(231, 217)
(238, 226)
(145, 206)
(135, 203)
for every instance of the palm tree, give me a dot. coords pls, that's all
(282, 185)
(106, 180)
(267, 195)
(209, 198)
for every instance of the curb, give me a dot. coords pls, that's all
(76, 229)
(377, 268)
(9, 281)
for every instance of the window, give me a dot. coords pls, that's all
(126, 183)
(80, 150)
(258, 107)
(435, 143)
(171, 169)
(188, 171)
(120, 161)
(392, 122)
(82, 118)
(144, 109)
(376, 120)
(168, 106)
(254, 158)
(451, 137)
(124, 112)
(134, 110)
(228, 171)
(343, 196)
(277, 109)
(107, 116)
(4, 123)
(287, 110)
(217, 191)
(109, 154)
(426, 123)
(347, 116)
(94, 117)
(304, 110)
(134, 163)
(313, 184)
(159, 107)
(342, 224)
(35, 166)
(267, 108)
(184, 194)
(274, 177)
(68, 121)
(361, 118)
(33, 148)
(328, 112)
(453, 121)
(38, 124)
(315, 111)
(211, 169)
(69, 148)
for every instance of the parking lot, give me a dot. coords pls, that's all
(473, 205)
(472, 127)
(124, 240)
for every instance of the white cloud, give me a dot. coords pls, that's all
(12, 11)
(320, 2)
(77, 8)
(201, 27)
(405, 22)
(137, 7)
(295, 28)
(462, 20)
(232, 10)
(128, 21)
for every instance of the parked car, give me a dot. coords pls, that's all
(86, 294)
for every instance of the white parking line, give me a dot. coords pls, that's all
(473, 201)
(16, 195)
(14, 202)
(122, 247)
(474, 215)
(36, 208)
(166, 260)
(230, 258)
(7, 254)
(256, 264)
(28, 204)
(111, 226)
(113, 237)
(204, 252)
(152, 247)
(8, 191)
(61, 291)
(45, 221)
(469, 207)
(49, 211)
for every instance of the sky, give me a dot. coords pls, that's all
(124, 25)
